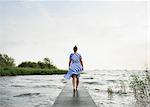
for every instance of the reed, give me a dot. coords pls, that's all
(109, 91)
(140, 84)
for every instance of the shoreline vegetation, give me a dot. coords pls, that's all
(140, 85)
(13, 71)
(45, 67)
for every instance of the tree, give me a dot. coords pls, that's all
(46, 64)
(28, 64)
(41, 64)
(6, 61)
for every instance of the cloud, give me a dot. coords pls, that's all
(109, 34)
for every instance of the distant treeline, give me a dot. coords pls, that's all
(45, 67)
(46, 64)
(6, 61)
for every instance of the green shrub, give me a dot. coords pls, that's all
(12, 71)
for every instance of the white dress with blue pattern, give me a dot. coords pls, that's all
(75, 66)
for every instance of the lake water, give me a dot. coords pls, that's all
(42, 90)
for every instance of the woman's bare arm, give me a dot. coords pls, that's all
(69, 62)
(81, 62)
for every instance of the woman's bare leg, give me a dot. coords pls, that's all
(77, 83)
(74, 81)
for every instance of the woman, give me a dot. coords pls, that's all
(75, 68)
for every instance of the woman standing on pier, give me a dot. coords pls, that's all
(75, 68)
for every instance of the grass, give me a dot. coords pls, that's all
(123, 87)
(109, 91)
(140, 84)
(12, 71)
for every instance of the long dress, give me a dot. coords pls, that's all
(75, 66)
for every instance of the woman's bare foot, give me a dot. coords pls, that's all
(74, 90)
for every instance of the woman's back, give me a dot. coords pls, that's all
(75, 62)
(75, 58)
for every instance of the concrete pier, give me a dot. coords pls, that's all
(79, 98)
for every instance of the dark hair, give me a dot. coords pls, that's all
(75, 48)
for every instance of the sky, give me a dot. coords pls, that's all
(109, 34)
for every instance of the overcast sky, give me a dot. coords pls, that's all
(109, 34)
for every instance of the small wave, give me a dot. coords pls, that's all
(50, 80)
(47, 86)
(90, 83)
(111, 81)
(89, 78)
(27, 94)
(63, 81)
(43, 105)
(97, 89)
(17, 86)
(43, 86)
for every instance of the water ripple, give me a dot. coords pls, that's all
(27, 94)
